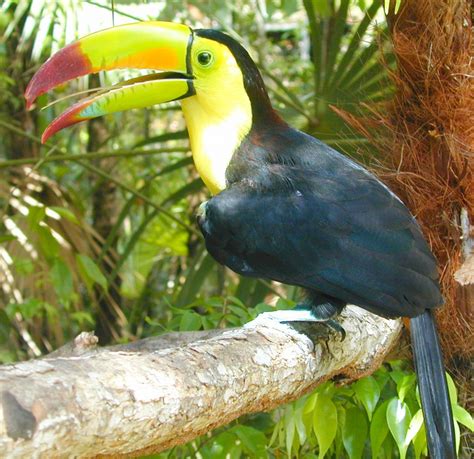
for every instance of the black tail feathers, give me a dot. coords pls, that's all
(433, 387)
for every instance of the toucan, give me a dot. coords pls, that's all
(285, 206)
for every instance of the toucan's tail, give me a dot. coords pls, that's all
(433, 387)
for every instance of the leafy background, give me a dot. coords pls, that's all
(97, 226)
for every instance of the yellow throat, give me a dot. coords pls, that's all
(219, 116)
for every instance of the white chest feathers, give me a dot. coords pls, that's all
(215, 134)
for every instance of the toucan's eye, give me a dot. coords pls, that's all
(205, 58)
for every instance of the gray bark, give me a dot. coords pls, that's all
(84, 401)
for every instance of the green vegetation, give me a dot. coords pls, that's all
(97, 227)
(376, 417)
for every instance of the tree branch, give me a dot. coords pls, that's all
(148, 396)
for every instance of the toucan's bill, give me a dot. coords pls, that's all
(160, 46)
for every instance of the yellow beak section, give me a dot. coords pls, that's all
(160, 46)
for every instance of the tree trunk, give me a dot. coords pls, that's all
(104, 217)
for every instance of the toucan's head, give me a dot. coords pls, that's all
(220, 88)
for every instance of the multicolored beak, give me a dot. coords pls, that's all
(160, 46)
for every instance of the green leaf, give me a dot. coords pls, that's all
(354, 432)
(378, 429)
(321, 7)
(397, 376)
(355, 43)
(462, 416)
(48, 244)
(289, 429)
(415, 425)
(307, 415)
(310, 403)
(7, 238)
(341, 420)
(51, 311)
(224, 446)
(82, 318)
(36, 215)
(457, 435)
(324, 423)
(368, 392)
(453, 392)
(398, 420)
(186, 190)
(65, 213)
(61, 278)
(404, 385)
(30, 308)
(90, 271)
(382, 377)
(420, 444)
(290, 6)
(298, 416)
(190, 321)
(253, 441)
(24, 266)
(5, 327)
(338, 27)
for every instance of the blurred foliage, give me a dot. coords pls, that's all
(151, 272)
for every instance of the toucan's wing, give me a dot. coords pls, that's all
(347, 236)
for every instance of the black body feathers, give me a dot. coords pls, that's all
(301, 213)
(297, 211)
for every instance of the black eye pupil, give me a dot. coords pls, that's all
(204, 58)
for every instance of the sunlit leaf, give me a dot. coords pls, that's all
(48, 244)
(414, 427)
(404, 385)
(457, 435)
(289, 430)
(24, 266)
(419, 443)
(298, 416)
(398, 420)
(453, 392)
(462, 416)
(65, 213)
(324, 423)
(368, 392)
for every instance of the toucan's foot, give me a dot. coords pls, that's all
(336, 326)
(291, 315)
(325, 313)
(303, 313)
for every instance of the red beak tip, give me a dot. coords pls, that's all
(48, 132)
